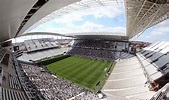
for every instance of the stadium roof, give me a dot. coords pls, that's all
(41, 33)
(77, 6)
(19, 15)
(143, 14)
(99, 35)
(102, 37)
(85, 35)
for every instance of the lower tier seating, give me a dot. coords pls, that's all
(8, 94)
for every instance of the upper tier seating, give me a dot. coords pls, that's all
(92, 53)
(40, 44)
(38, 55)
(99, 49)
(101, 44)
(155, 60)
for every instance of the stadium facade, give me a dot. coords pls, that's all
(143, 75)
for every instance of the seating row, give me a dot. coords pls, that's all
(8, 94)
(34, 56)
(14, 82)
(155, 63)
(30, 90)
(39, 44)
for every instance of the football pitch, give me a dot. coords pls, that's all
(85, 72)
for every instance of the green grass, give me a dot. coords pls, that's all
(82, 71)
(52, 60)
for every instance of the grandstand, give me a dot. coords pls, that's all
(98, 66)
(98, 49)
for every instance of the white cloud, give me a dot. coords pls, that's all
(164, 23)
(146, 38)
(98, 12)
(108, 11)
(161, 29)
(160, 32)
(86, 26)
(152, 39)
(89, 26)
(68, 18)
(92, 27)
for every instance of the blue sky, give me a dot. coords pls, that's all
(159, 32)
(101, 19)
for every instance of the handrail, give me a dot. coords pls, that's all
(144, 70)
(26, 91)
(162, 93)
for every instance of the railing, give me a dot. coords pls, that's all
(23, 83)
(144, 70)
(162, 93)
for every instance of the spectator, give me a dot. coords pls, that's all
(154, 86)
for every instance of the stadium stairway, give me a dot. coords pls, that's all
(154, 60)
(128, 81)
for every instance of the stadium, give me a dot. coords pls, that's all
(93, 65)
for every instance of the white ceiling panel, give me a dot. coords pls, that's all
(12, 12)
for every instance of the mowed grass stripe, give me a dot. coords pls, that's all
(82, 71)
(83, 74)
(72, 65)
(107, 65)
(76, 70)
(75, 80)
(61, 62)
(83, 66)
(104, 77)
(66, 74)
(99, 76)
(64, 65)
(94, 80)
(97, 70)
(67, 60)
(87, 72)
(101, 72)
